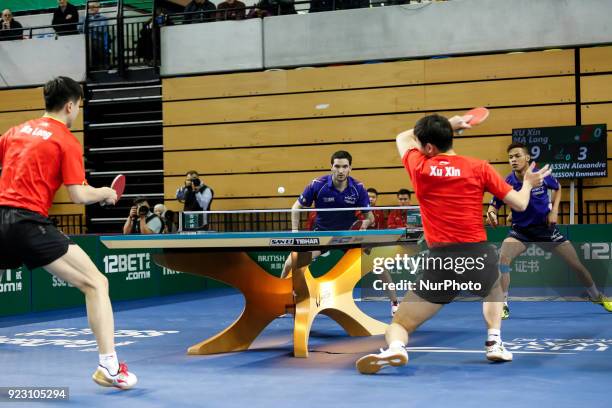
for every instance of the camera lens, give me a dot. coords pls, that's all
(196, 182)
(143, 210)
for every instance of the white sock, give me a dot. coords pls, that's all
(506, 298)
(110, 362)
(395, 344)
(494, 335)
(593, 292)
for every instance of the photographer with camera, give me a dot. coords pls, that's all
(141, 220)
(196, 196)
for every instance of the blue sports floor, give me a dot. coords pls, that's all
(563, 358)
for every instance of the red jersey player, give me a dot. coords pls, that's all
(398, 218)
(450, 189)
(37, 157)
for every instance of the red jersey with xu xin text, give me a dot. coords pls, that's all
(37, 157)
(450, 191)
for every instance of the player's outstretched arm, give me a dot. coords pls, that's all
(368, 221)
(406, 141)
(519, 200)
(553, 215)
(80, 194)
(295, 216)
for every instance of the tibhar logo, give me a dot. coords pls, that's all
(449, 171)
(136, 265)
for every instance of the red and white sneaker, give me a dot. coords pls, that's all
(123, 379)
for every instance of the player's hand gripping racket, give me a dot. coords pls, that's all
(358, 225)
(477, 116)
(118, 185)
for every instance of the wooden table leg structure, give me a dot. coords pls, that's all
(267, 297)
(331, 295)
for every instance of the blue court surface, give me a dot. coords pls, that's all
(562, 358)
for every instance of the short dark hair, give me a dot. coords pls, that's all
(140, 200)
(342, 154)
(192, 172)
(435, 129)
(519, 145)
(59, 91)
(372, 190)
(403, 191)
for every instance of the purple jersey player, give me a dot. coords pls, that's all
(537, 224)
(336, 190)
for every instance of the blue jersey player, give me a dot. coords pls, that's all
(335, 190)
(537, 224)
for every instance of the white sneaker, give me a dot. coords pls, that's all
(123, 379)
(372, 363)
(497, 352)
(394, 307)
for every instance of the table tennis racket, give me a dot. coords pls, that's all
(357, 225)
(118, 185)
(478, 115)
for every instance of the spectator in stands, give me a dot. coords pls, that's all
(258, 12)
(379, 216)
(231, 10)
(99, 38)
(65, 18)
(398, 218)
(170, 222)
(142, 220)
(321, 5)
(159, 210)
(310, 220)
(265, 8)
(11, 29)
(207, 11)
(352, 4)
(195, 195)
(144, 46)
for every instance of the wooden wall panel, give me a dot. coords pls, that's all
(500, 66)
(476, 68)
(21, 99)
(372, 101)
(10, 119)
(353, 129)
(596, 88)
(314, 157)
(596, 59)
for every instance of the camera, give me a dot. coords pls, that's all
(196, 182)
(143, 210)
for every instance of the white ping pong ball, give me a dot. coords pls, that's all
(281, 190)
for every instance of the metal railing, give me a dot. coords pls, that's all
(598, 212)
(70, 224)
(267, 8)
(117, 42)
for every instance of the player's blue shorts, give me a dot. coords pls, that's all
(549, 235)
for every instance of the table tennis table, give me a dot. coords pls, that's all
(222, 256)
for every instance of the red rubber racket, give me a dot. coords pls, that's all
(356, 225)
(478, 115)
(118, 185)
